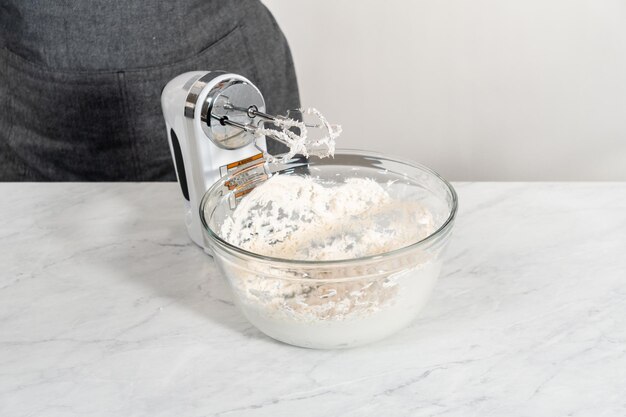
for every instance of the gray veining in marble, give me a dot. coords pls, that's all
(107, 309)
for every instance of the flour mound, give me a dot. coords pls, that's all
(304, 218)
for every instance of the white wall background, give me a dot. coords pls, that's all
(478, 90)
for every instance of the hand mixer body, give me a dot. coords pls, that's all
(203, 149)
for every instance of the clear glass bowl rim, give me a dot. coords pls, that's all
(340, 262)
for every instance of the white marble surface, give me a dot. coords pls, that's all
(107, 309)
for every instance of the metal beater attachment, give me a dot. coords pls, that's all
(252, 112)
(303, 132)
(233, 116)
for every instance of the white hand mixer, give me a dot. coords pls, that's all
(216, 123)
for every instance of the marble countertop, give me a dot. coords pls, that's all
(107, 309)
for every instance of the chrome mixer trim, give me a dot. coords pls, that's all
(219, 121)
(196, 89)
(207, 107)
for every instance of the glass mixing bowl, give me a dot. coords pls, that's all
(339, 303)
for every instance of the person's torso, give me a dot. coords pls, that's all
(80, 81)
(105, 35)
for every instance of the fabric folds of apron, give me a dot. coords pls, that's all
(87, 107)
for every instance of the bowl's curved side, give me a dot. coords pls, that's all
(223, 191)
(331, 304)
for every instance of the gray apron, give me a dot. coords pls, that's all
(80, 81)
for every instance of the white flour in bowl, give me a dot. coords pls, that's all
(303, 218)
